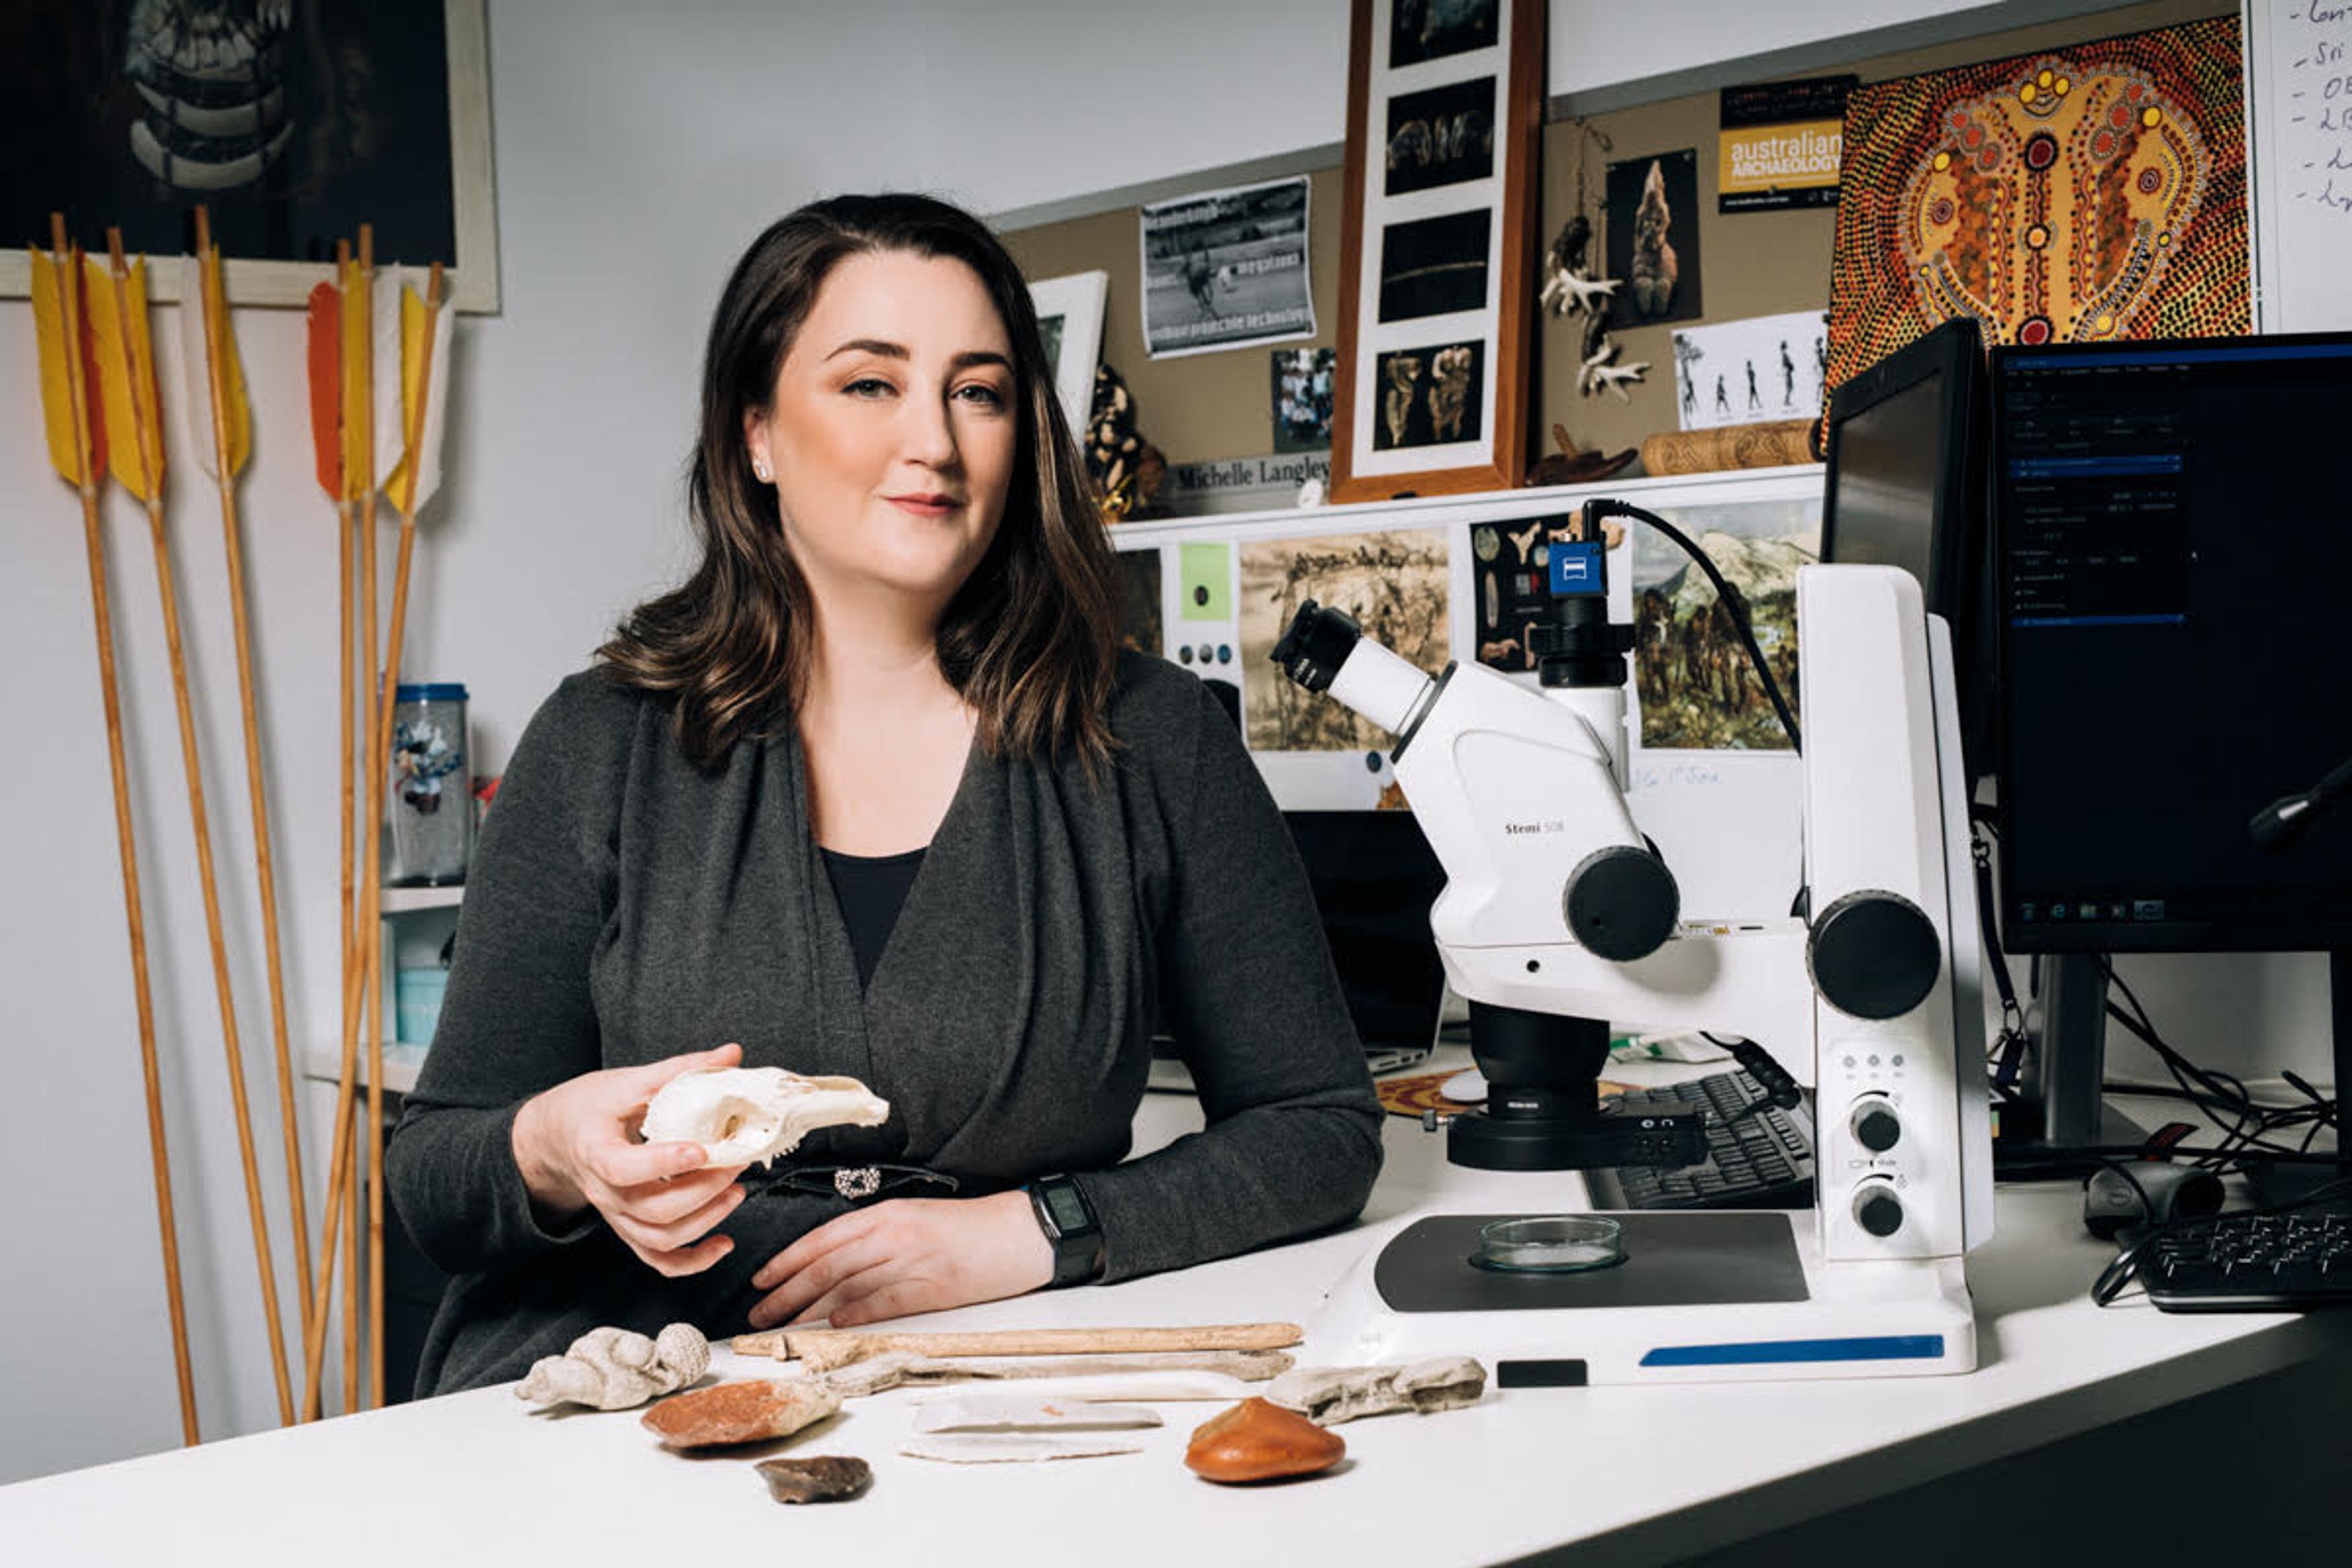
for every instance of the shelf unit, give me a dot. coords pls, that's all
(323, 1060)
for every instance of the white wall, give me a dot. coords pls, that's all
(637, 148)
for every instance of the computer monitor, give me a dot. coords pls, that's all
(1906, 488)
(2174, 563)
(1374, 878)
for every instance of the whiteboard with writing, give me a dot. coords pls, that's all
(2299, 100)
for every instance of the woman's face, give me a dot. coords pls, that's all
(891, 432)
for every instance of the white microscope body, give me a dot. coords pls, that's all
(1553, 907)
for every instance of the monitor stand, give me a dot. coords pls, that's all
(2285, 1183)
(2063, 1071)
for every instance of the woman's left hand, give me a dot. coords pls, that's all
(905, 1256)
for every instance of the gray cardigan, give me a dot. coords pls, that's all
(625, 907)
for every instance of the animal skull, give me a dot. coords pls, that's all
(741, 1115)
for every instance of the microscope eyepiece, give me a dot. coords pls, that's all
(1317, 643)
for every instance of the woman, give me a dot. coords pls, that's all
(872, 793)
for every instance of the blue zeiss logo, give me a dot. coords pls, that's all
(1578, 570)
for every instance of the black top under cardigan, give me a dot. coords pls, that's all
(625, 907)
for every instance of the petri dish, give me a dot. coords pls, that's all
(1550, 1244)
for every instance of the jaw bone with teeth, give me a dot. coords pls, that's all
(212, 74)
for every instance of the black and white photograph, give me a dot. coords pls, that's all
(1432, 29)
(1435, 266)
(1430, 396)
(1653, 238)
(1303, 382)
(291, 125)
(1224, 269)
(1746, 371)
(1441, 136)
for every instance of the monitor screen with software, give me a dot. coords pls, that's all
(1906, 488)
(2174, 560)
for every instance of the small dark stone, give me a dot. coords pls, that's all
(823, 1478)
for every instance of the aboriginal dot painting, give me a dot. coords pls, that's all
(2096, 191)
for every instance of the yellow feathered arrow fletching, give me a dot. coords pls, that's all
(202, 308)
(52, 312)
(113, 333)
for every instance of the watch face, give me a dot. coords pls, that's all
(1068, 1209)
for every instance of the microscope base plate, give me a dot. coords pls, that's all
(1701, 1297)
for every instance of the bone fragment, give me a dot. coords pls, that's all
(1013, 1412)
(860, 1378)
(1001, 1447)
(1137, 1387)
(1328, 1395)
(615, 1369)
(825, 1349)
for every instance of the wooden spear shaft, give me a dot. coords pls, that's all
(215, 310)
(360, 453)
(69, 274)
(374, 757)
(150, 460)
(413, 437)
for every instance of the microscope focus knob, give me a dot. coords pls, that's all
(1621, 903)
(1875, 1126)
(1877, 1208)
(1873, 954)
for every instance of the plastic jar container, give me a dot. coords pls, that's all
(428, 796)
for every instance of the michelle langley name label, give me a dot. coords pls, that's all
(1239, 484)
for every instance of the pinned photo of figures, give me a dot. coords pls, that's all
(1511, 576)
(1441, 136)
(1394, 586)
(1432, 29)
(1141, 626)
(1696, 687)
(1226, 268)
(1435, 266)
(1429, 396)
(1653, 238)
(1741, 372)
(1303, 380)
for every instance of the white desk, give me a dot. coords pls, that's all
(1632, 1474)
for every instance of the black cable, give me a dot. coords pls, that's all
(1734, 604)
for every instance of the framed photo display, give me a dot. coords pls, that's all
(1436, 246)
(292, 125)
(1070, 320)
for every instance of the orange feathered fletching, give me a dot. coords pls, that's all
(326, 361)
(58, 316)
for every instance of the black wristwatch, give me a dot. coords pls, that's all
(1068, 1221)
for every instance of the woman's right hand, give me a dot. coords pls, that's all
(577, 1148)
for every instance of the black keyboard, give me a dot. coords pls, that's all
(2240, 1262)
(1760, 1159)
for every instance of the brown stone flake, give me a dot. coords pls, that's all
(821, 1478)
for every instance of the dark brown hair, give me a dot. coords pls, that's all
(1030, 641)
